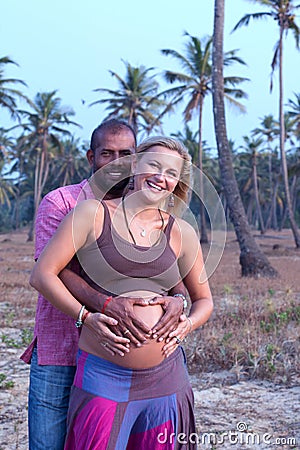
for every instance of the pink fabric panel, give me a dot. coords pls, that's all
(161, 438)
(92, 427)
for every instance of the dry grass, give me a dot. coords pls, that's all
(255, 328)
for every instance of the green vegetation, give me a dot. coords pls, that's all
(258, 340)
(24, 339)
(5, 383)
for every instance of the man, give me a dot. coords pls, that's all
(52, 353)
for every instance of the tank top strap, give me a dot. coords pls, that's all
(106, 219)
(169, 227)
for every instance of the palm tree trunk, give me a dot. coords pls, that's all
(269, 219)
(41, 175)
(290, 212)
(256, 195)
(203, 238)
(274, 205)
(35, 194)
(294, 193)
(252, 259)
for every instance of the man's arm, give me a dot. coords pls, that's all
(118, 308)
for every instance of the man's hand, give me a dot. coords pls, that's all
(120, 308)
(173, 307)
(129, 325)
(99, 325)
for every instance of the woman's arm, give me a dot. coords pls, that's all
(192, 269)
(74, 232)
(71, 235)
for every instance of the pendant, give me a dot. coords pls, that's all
(143, 233)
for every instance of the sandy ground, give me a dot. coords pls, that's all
(233, 414)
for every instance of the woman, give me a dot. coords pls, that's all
(142, 399)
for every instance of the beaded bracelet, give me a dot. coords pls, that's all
(184, 300)
(105, 304)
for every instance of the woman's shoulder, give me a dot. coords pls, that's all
(88, 212)
(183, 226)
(90, 205)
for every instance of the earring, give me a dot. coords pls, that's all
(131, 183)
(171, 202)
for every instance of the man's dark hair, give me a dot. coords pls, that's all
(113, 126)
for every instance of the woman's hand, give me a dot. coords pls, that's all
(99, 325)
(177, 336)
(173, 307)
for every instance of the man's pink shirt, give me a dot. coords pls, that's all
(55, 333)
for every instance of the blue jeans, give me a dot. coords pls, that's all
(48, 403)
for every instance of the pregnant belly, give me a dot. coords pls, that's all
(148, 355)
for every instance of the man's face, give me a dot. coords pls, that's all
(109, 156)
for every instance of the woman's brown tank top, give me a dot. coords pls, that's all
(115, 266)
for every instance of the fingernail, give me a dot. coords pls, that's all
(154, 336)
(160, 339)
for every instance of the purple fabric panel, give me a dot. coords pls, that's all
(81, 358)
(154, 410)
(143, 385)
(145, 419)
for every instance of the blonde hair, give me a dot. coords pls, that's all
(181, 191)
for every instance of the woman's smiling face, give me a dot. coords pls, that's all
(157, 172)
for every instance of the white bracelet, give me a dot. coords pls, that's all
(79, 322)
(191, 325)
(184, 300)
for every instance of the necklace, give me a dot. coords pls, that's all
(143, 232)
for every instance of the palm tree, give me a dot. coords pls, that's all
(252, 259)
(136, 99)
(45, 123)
(252, 147)
(196, 84)
(291, 133)
(71, 166)
(8, 94)
(294, 115)
(294, 112)
(7, 188)
(268, 130)
(283, 12)
(190, 139)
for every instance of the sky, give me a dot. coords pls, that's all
(70, 47)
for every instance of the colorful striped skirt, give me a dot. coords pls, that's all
(116, 408)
